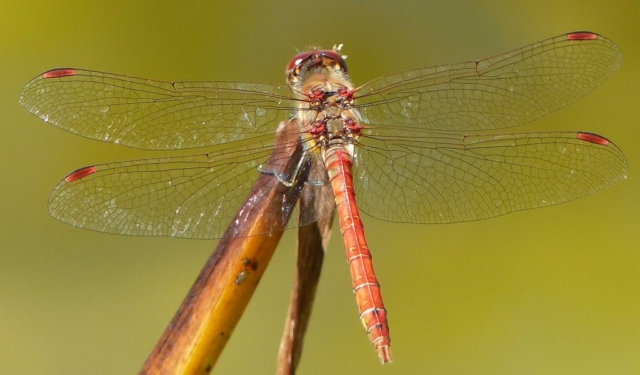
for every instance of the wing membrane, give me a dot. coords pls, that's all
(446, 178)
(147, 114)
(494, 93)
(193, 196)
(187, 196)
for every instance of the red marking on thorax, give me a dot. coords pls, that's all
(593, 138)
(318, 128)
(347, 94)
(582, 36)
(80, 173)
(317, 95)
(353, 126)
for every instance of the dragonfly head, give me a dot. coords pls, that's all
(315, 61)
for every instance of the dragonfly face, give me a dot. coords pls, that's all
(314, 61)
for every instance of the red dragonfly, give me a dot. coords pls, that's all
(410, 141)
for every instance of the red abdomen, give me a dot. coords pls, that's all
(365, 284)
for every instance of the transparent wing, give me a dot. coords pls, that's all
(494, 93)
(446, 178)
(187, 196)
(404, 171)
(147, 114)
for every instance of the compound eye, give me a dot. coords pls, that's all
(317, 57)
(335, 57)
(297, 59)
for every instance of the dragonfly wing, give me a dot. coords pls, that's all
(194, 196)
(494, 93)
(446, 178)
(187, 196)
(147, 114)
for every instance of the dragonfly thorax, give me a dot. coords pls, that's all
(328, 114)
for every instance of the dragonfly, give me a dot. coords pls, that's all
(421, 146)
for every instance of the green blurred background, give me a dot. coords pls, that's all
(549, 291)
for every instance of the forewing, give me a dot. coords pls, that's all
(494, 93)
(147, 114)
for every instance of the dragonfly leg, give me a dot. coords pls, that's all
(288, 182)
